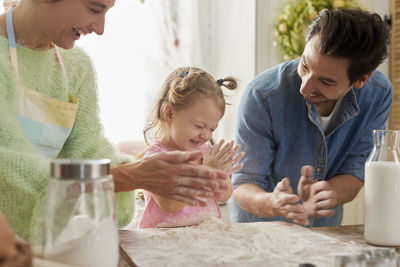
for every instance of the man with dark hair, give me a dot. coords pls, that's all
(315, 114)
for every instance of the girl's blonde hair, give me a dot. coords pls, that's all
(180, 88)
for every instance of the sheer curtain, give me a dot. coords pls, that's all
(181, 36)
(119, 60)
(141, 45)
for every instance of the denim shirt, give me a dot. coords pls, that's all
(280, 132)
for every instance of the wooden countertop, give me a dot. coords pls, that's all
(140, 244)
(345, 233)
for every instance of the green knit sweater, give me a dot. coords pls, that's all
(24, 174)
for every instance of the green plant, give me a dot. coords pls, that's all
(292, 25)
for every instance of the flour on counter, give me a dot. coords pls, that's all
(215, 243)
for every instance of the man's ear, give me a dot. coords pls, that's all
(360, 82)
(168, 113)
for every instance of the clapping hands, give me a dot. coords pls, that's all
(223, 157)
(318, 197)
(285, 203)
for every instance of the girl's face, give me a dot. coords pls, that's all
(64, 21)
(191, 127)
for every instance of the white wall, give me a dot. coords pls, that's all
(233, 53)
(268, 54)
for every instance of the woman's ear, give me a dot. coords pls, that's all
(360, 82)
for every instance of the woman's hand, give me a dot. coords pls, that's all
(173, 175)
(8, 243)
(223, 158)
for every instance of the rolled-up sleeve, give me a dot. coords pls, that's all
(255, 136)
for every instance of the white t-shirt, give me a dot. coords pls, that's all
(328, 122)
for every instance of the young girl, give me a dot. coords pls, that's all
(187, 112)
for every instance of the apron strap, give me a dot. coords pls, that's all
(62, 66)
(13, 50)
(11, 41)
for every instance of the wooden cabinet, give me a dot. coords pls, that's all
(394, 61)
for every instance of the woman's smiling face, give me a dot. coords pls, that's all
(64, 21)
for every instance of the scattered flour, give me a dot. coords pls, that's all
(215, 243)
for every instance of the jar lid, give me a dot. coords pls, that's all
(81, 169)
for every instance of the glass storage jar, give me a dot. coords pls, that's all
(80, 220)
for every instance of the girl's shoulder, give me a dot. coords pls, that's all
(157, 147)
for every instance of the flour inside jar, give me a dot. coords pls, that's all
(84, 242)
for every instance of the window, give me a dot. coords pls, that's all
(124, 76)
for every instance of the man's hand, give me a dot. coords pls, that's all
(285, 203)
(318, 197)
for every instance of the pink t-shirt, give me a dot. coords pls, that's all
(154, 216)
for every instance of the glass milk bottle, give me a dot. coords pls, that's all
(382, 190)
(80, 220)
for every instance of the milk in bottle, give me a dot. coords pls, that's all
(382, 190)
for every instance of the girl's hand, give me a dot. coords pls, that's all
(223, 158)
